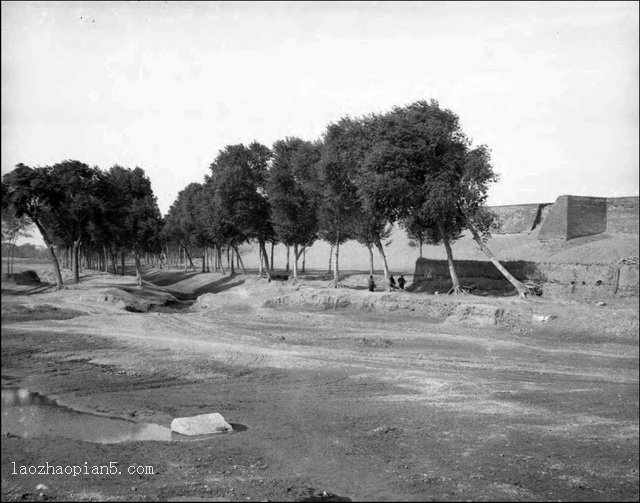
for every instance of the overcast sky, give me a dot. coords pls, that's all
(551, 88)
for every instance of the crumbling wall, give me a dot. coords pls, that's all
(554, 225)
(622, 215)
(517, 218)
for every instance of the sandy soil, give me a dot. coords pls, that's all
(340, 393)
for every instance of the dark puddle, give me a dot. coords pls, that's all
(28, 415)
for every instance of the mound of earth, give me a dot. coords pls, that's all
(137, 301)
(462, 310)
(20, 312)
(28, 277)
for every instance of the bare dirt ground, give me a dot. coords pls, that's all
(341, 393)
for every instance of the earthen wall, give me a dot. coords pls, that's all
(516, 218)
(623, 215)
(554, 225)
(586, 216)
(579, 279)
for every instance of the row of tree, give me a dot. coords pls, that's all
(412, 166)
(108, 213)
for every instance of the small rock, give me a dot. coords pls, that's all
(201, 424)
(41, 487)
(543, 318)
(601, 303)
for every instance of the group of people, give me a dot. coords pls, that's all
(392, 283)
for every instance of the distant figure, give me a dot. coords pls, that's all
(392, 281)
(401, 282)
(372, 284)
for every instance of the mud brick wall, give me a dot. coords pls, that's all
(622, 215)
(575, 216)
(427, 269)
(517, 218)
(586, 216)
(586, 280)
(628, 280)
(554, 225)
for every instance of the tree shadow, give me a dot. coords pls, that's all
(30, 291)
(217, 286)
(164, 277)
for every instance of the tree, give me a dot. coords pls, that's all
(132, 217)
(423, 173)
(185, 223)
(293, 201)
(238, 181)
(418, 149)
(28, 192)
(74, 198)
(13, 227)
(142, 223)
(337, 189)
(471, 205)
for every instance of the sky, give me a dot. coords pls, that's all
(550, 87)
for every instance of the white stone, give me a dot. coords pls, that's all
(200, 425)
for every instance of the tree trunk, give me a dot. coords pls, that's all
(75, 262)
(138, 270)
(189, 258)
(521, 288)
(122, 255)
(330, 259)
(304, 259)
(272, 264)
(295, 263)
(455, 282)
(204, 260)
(219, 247)
(370, 260)
(239, 261)
(230, 259)
(9, 259)
(260, 261)
(336, 271)
(384, 265)
(287, 266)
(421, 248)
(52, 254)
(266, 258)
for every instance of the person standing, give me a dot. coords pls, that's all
(401, 282)
(372, 284)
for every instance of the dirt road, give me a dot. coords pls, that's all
(385, 403)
